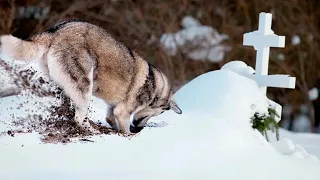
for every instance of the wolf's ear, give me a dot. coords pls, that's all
(174, 107)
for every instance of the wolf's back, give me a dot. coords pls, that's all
(20, 50)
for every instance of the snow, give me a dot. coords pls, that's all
(309, 141)
(213, 138)
(273, 80)
(287, 147)
(295, 40)
(281, 57)
(313, 94)
(197, 41)
(284, 146)
(238, 67)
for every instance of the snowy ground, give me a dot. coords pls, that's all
(309, 141)
(212, 139)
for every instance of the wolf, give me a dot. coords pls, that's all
(85, 60)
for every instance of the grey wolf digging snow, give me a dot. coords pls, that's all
(84, 60)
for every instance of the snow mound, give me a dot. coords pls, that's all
(198, 42)
(238, 67)
(212, 138)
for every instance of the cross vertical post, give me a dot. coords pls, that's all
(262, 64)
(262, 57)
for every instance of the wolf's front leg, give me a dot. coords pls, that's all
(69, 70)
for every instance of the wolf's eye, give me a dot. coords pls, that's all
(154, 101)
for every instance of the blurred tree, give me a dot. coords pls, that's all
(7, 12)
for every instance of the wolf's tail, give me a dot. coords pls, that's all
(20, 50)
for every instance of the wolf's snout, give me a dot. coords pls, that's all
(135, 129)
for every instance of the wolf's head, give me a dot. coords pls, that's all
(156, 107)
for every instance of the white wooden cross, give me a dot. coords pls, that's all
(262, 40)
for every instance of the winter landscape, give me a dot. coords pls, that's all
(212, 138)
(229, 128)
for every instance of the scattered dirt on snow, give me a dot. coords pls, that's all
(59, 126)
